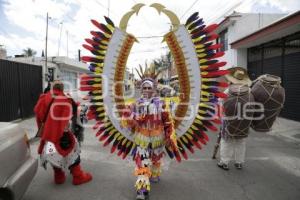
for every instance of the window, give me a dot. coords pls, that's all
(70, 79)
(223, 39)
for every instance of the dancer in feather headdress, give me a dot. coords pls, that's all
(145, 128)
(153, 129)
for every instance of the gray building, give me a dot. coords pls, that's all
(236, 26)
(63, 68)
(266, 44)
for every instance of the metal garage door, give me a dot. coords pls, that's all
(20, 87)
(291, 83)
(280, 58)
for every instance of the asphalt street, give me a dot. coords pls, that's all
(271, 172)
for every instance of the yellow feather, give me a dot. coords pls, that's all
(129, 143)
(201, 55)
(202, 61)
(204, 86)
(197, 39)
(184, 139)
(98, 104)
(98, 79)
(120, 137)
(190, 131)
(96, 85)
(100, 109)
(200, 50)
(199, 46)
(189, 136)
(124, 141)
(200, 117)
(204, 93)
(117, 135)
(100, 57)
(197, 121)
(201, 112)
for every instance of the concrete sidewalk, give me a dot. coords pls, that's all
(286, 128)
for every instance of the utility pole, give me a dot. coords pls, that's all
(67, 32)
(46, 55)
(108, 5)
(59, 39)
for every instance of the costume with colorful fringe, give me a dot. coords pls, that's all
(152, 127)
(195, 56)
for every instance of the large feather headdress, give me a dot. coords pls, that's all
(149, 73)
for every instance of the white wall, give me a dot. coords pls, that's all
(249, 23)
(241, 58)
(241, 27)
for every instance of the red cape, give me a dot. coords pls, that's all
(58, 117)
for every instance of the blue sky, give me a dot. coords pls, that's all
(23, 21)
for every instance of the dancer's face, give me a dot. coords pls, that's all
(147, 90)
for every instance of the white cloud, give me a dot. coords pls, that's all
(31, 16)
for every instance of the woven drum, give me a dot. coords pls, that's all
(268, 91)
(237, 120)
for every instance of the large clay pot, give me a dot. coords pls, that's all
(236, 120)
(267, 91)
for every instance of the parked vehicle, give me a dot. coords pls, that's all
(17, 166)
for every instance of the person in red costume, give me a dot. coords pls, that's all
(58, 145)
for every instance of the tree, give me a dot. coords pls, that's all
(29, 52)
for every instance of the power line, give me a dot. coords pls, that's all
(146, 21)
(106, 7)
(189, 9)
(148, 37)
(225, 11)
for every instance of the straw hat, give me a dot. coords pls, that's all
(238, 75)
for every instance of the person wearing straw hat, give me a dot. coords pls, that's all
(238, 75)
(230, 146)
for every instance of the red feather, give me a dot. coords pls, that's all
(197, 144)
(190, 148)
(113, 148)
(91, 59)
(106, 143)
(217, 121)
(210, 28)
(213, 37)
(100, 132)
(85, 77)
(212, 128)
(88, 47)
(204, 135)
(91, 42)
(86, 58)
(177, 156)
(215, 74)
(184, 154)
(221, 95)
(202, 141)
(216, 65)
(214, 47)
(120, 151)
(99, 35)
(217, 55)
(97, 24)
(223, 84)
(103, 137)
(96, 126)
